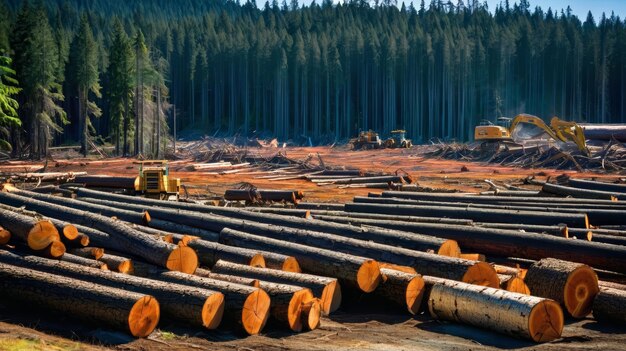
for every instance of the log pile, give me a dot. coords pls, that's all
(421, 251)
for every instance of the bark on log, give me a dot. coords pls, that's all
(405, 289)
(244, 305)
(581, 193)
(263, 195)
(37, 234)
(513, 283)
(530, 317)
(573, 285)
(286, 303)
(475, 198)
(502, 242)
(218, 218)
(172, 227)
(600, 186)
(132, 312)
(93, 253)
(119, 264)
(604, 131)
(84, 261)
(205, 273)
(359, 272)
(319, 206)
(125, 239)
(209, 253)
(108, 182)
(376, 179)
(200, 307)
(325, 288)
(609, 306)
(475, 214)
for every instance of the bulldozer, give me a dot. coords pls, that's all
(502, 134)
(154, 182)
(367, 140)
(398, 140)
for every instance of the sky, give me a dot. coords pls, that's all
(579, 7)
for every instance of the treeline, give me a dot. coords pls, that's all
(322, 71)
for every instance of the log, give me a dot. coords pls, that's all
(5, 236)
(513, 283)
(132, 312)
(529, 317)
(93, 253)
(475, 198)
(609, 306)
(362, 273)
(96, 181)
(244, 305)
(475, 214)
(117, 263)
(604, 131)
(171, 227)
(502, 242)
(325, 288)
(286, 303)
(263, 195)
(81, 240)
(581, 193)
(310, 314)
(227, 278)
(375, 179)
(319, 206)
(233, 218)
(209, 253)
(189, 305)
(37, 234)
(125, 239)
(599, 186)
(571, 284)
(405, 289)
(84, 262)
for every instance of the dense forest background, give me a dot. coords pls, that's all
(124, 71)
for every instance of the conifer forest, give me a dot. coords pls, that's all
(127, 73)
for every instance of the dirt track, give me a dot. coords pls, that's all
(351, 328)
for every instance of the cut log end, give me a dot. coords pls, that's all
(146, 218)
(291, 265)
(516, 284)
(126, 267)
(405, 269)
(450, 248)
(182, 259)
(331, 298)
(368, 277)
(213, 311)
(5, 236)
(565, 232)
(70, 232)
(294, 311)
(168, 238)
(415, 294)
(257, 261)
(255, 312)
(97, 253)
(144, 317)
(589, 236)
(546, 321)
(580, 289)
(82, 240)
(55, 250)
(42, 235)
(482, 273)
(311, 313)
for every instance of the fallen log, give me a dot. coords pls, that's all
(286, 304)
(599, 186)
(573, 285)
(132, 312)
(179, 228)
(126, 239)
(604, 131)
(209, 253)
(608, 239)
(87, 262)
(244, 305)
(37, 234)
(325, 288)
(189, 305)
(234, 218)
(362, 273)
(529, 317)
(376, 179)
(263, 195)
(227, 278)
(5, 236)
(310, 314)
(119, 264)
(475, 214)
(513, 283)
(609, 306)
(405, 289)
(581, 193)
(93, 253)
(96, 181)
(502, 242)
(319, 206)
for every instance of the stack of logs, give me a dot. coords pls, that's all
(294, 265)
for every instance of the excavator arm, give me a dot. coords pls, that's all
(558, 129)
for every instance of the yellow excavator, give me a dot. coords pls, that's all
(154, 182)
(502, 132)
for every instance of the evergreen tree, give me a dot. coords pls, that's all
(8, 105)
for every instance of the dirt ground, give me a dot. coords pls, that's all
(362, 325)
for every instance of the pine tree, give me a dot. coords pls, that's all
(84, 66)
(8, 105)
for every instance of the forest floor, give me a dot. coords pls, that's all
(356, 328)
